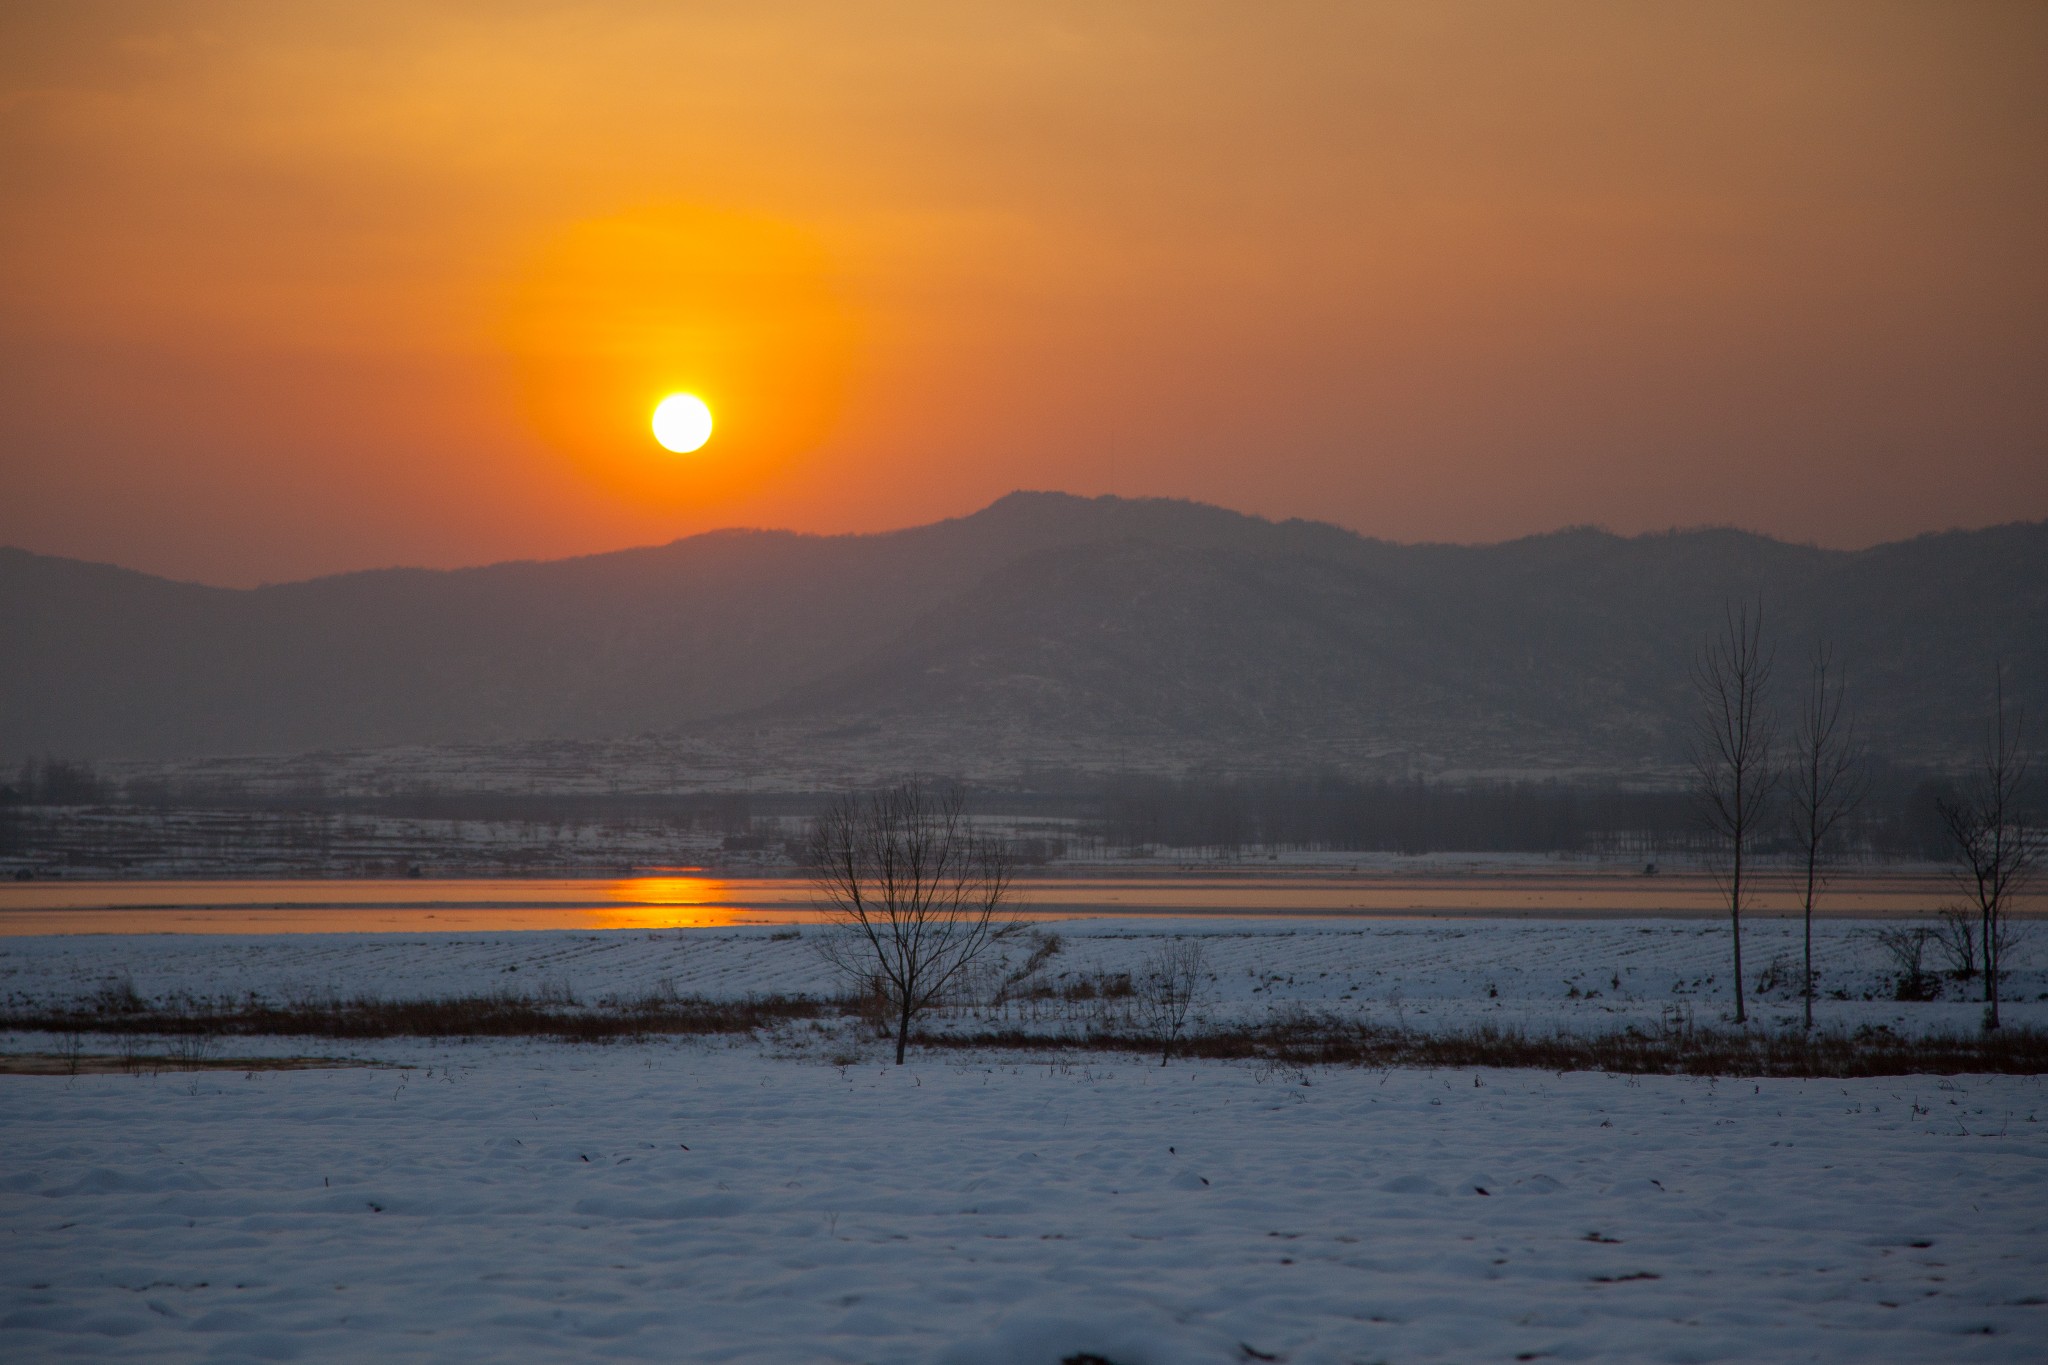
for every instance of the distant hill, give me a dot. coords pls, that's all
(1127, 628)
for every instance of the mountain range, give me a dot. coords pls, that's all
(1145, 633)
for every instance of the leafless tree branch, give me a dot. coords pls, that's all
(914, 892)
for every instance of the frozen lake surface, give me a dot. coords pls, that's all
(1440, 887)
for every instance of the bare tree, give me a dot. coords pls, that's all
(915, 894)
(1731, 751)
(1172, 984)
(1824, 783)
(1995, 851)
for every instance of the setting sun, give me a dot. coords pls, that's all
(682, 423)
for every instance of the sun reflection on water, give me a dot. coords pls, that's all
(672, 902)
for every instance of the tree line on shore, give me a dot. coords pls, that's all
(1219, 816)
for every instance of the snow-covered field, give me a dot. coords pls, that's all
(1585, 975)
(763, 1199)
(676, 1202)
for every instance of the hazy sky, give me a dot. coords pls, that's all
(292, 288)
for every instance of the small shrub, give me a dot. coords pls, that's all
(1780, 974)
(1916, 989)
(1956, 938)
(191, 1051)
(1908, 945)
(117, 995)
(1099, 986)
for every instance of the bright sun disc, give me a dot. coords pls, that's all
(682, 423)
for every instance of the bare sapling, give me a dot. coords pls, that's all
(1824, 784)
(1731, 755)
(1993, 848)
(914, 893)
(1172, 986)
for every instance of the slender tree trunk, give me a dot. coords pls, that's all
(1731, 752)
(1735, 919)
(1826, 784)
(1806, 982)
(1996, 853)
(1991, 970)
(903, 1029)
(1984, 919)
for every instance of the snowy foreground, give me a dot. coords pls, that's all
(767, 1199)
(683, 1202)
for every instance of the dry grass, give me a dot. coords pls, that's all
(1688, 1052)
(101, 1064)
(481, 1016)
(196, 1030)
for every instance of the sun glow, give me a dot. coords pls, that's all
(682, 423)
(742, 313)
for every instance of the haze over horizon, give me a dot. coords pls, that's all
(287, 291)
(1049, 494)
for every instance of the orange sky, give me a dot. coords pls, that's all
(288, 289)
